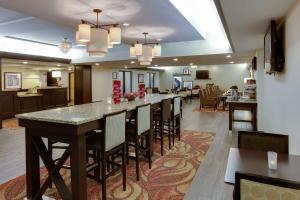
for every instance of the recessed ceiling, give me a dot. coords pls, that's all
(160, 18)
(216, 59)
(247, 20)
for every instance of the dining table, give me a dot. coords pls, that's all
(256, 162)
(69, 125)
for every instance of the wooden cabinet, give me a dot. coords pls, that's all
(52, 98)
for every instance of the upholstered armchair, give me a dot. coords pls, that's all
(206, 101)
(250, 186)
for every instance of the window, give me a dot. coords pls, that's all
(126, 81)
(151, 79)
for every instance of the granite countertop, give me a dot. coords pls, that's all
(50, 88)
(242, 101)
(29, 95)
(80, 114)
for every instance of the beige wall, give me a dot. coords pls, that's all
(279, 109)
(102, 81)
(32, 78)
(222, 75)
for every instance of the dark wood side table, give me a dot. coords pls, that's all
(256, 162)
(243, 105)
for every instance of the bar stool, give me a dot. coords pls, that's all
(110, 142)
(162, 119)
(136, 133)
(176, 116)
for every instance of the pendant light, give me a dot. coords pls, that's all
(157, 50)
(98, 44)
(98, 37)
(115, 35)
(65, 46)
(132, 51)
(145, 52)
(84, 32)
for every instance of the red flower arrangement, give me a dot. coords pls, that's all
(130, 96)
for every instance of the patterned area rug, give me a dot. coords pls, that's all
(168, 179)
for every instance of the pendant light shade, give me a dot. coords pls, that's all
(115, 35)
(110, 45)
(157, 50)
(98, 44)
(132, 51)
(138, 49)
(79, 43)
(84, 33)
(146, 56)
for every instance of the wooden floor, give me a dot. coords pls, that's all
(208, 184)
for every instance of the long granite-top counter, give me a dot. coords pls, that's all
(80, 114)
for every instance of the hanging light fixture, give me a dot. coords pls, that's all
(65, 46)
(78, 42)
(98, 38)
(146, 51)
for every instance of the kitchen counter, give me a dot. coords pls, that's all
(29, 95)
(51, 88)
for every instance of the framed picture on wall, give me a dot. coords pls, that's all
(115, 75)
(12, 80)
(186, 71)
(140, 78)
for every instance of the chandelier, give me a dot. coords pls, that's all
(145, 52)
(98, 38)
(65, 46)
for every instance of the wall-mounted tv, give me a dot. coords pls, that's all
(273, 49)
(202, 74)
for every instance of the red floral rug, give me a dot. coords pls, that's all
(168, 179)
(10, 124)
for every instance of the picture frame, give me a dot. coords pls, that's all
(12, 80)
(186, 71)
(141, 78)
(115, 75)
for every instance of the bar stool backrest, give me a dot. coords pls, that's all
(166, 109)
(176, 106)
(114, 129)
(143, 118)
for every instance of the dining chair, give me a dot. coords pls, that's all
(162, 122)
(175, 118)
(261, 141)
(110, 142)
(252, 186)
(137, 133)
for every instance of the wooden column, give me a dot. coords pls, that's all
(83, 84)
(0, 90)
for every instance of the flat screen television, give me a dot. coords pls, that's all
(273, 49)
(202, 74)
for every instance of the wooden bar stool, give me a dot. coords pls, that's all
(110, 142)
(136, 133)
(162, 122)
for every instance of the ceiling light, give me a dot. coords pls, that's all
(228, 56)
(97, 64)
(25, 62)
(193, 66)
(58, 65)
(155, 65)
(145, 51)
(125, 67)
(70, 68)
(159, 39)
(231, 62)
(98, 37)
(175, 59)
(132, 62)
(65, 46)
(126, 24)
(191, 63)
